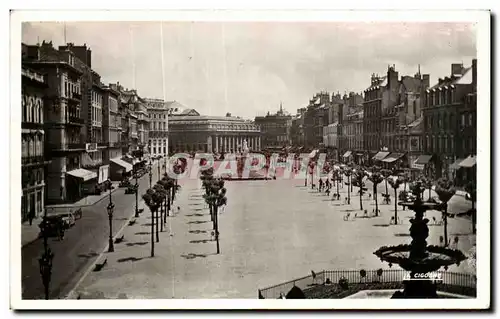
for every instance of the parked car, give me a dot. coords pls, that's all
(124, 183)
(55, 226)
(68, 219)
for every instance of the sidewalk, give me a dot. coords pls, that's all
(130, 272)
(29, 233)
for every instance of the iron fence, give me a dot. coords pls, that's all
(449, 281)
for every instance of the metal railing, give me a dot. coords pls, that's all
(461, 283)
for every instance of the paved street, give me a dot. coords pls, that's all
(81, 245)
(271, 232)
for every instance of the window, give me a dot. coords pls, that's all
(463, 120)
(470, 119)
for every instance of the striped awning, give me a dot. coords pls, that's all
(392, 157)
(118, 161)
(380, 156)
(468, 162)
(423, 159)
(83, 174)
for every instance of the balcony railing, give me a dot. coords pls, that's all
(67, 146)
(76, 95)
(32, 160)
(102, 144)
(33, 75)
(115, 144)
(75, 120)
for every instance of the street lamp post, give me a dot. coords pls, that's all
(45, 261)
(136, 195)
(110, 209)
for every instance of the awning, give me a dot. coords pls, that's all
(118, 161)
(347, 154)
(359, 154)
(455, 165)
(423, 159)
(468, 162)
(392, 157)
(83, 174)
(380, 156)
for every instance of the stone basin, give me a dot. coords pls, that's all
(387, 294)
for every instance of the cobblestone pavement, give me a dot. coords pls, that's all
(80, 247)
(271, 232)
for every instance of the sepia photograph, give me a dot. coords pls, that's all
(249, 156)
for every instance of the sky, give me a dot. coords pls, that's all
(248, 68)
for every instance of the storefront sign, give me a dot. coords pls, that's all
(418, 166)
(91, 147)
(103, 174)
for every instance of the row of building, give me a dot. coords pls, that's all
(77, 132)
(399, 122)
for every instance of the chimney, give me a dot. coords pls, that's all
(474, 74)
(392, 77)
(456, 69)
(426, 81)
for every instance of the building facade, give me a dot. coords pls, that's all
(275, 129)
(192, 132)
(158, 126)
(65, 125)
(315, 118)
(450, 123)
(112, 124)
(33, 160)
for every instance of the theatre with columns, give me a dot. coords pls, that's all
(191, 132)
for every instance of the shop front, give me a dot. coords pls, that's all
(394, 161)
(78, 182)
(118, 169)
(347, 157)
(468, 166)
(424, 164)
(377, 159)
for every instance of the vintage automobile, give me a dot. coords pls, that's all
(56, 225)
(124, 183)
(131, 189)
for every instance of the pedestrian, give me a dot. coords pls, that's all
(31, 216)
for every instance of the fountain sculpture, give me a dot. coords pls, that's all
(418, 258)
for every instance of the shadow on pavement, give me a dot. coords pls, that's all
(191, 215)
(402, 235)
(198, 222)
(142, 233)
(147, 224)
(195, 204)
(140, 243)
(89, 255)
(197, 231)
(381, 225)
(123, 218)
(200, 241)
(193, 256)
(198, 209)
(133, 259)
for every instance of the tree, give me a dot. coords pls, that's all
(445, 191)
(395, 183)
(471, 189)
(359, 174)
(151, 201)
(405, 178)
(348, 173)
(386, 173)
(376, 178)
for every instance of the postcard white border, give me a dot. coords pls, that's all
(482, 18)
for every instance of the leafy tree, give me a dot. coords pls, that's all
(376, 178)
(348, 173)
(386, 173)
(395, 183)
(445, 191)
